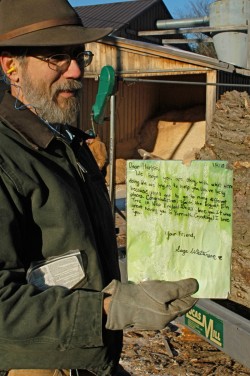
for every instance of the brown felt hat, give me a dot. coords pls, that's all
(43, 23)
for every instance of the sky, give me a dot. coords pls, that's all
(173, 5)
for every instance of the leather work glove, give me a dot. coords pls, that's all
(149, 305)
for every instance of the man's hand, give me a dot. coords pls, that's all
(149, 305)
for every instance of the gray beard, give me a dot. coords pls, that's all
(45, 105)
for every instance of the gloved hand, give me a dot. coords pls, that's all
(149, 305)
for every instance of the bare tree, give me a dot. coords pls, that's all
(195, 9)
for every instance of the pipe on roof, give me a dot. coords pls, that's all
(184, 82)
(183, 22)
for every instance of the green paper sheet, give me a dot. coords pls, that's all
(179, 223)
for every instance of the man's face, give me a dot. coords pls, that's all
(50, 88)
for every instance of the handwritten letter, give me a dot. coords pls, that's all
(179, 223)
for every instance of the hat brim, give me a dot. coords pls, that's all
(58, 36)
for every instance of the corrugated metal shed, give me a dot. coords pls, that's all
(137, 102)
(191, 81)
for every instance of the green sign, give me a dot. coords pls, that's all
(206, 325)
(179, 223)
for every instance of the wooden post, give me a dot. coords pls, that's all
(210, 99)
(248, 47)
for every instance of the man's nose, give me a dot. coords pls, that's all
(73, 70)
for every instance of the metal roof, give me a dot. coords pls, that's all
(115, 15)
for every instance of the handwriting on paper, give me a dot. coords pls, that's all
(179, 219)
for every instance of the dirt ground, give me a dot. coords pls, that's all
(175, 351)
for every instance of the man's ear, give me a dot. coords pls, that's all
(8, 66)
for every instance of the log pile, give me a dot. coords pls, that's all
(229, 139)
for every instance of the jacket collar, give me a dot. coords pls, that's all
(24, 122)
(30, 126)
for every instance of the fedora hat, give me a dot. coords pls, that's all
(43, 23)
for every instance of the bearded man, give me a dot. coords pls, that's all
(62, 306)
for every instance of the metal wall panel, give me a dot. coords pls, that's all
(232, 78)
(134, 104)
(138, 102)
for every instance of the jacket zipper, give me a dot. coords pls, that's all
(82, 170)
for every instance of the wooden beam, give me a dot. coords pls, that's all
(183, 41)
(244, 72)
(248, 47)
(210, 99)
(194, 30)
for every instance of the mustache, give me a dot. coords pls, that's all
(69, 85)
